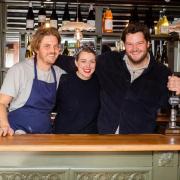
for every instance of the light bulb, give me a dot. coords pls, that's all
(78, 35)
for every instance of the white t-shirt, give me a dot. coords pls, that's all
(19, 79)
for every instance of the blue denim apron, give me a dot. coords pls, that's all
(34, 116)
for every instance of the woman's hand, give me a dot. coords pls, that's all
(174, 27)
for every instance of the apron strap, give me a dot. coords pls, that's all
(35, 69)
(54, 74)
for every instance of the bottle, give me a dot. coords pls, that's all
(91, 16)
(77, 47)
(149, 21)
(158, 54)
(103, 19)
(30, 18)
(41, 16)
(164, 28)
(134, 18)
(159, 22)
(54, 17)
(164, 56)
(108, 21)
(29, 52)
(66, 16)
(150, 48)
(65, 51)
(78, 14)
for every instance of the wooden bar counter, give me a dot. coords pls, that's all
(90, 157)
(153, 142)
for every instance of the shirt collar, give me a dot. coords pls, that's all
(126, 59)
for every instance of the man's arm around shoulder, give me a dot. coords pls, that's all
(66, 63)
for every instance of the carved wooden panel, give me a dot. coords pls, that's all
(165, 159)
(32, 175)
(117, 175)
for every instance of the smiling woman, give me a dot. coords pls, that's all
(77, 102)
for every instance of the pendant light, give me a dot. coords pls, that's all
(77, 26)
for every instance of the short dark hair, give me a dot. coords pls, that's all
(134, 28)
(84, 49)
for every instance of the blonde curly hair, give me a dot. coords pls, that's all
(39, 35)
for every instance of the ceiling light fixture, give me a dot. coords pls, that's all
(77, 27)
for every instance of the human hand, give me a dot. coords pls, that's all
(174, 84)
(6, 130)
(174, 27)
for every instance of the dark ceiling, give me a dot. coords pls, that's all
(131, 2)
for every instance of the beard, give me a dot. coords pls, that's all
(141, 59)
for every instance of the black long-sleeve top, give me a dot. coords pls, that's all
(77, 105)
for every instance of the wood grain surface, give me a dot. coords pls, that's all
(93, 143)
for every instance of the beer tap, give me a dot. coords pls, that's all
(174, 101)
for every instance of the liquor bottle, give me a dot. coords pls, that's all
(164, 56)
(108, 21)
(42, 16)
(149, 21)
(78, 14)
(91, 16)
(29, 52)
(164, 28)
(54, 17)
(66, 16)
(103, 19)
(30, 18)
(65, 51)
(150, 48)
(77, 47)
(158, 54)
(134, 18)
(159, 22)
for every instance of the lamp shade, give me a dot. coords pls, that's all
(72, 26)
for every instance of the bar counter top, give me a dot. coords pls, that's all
(91, 143)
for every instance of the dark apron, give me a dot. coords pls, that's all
(34, 116)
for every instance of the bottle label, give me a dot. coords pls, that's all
(41, 18)
(164, 29)
(108, 25)
(91, 22)
(29, 24)
(53, 23)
